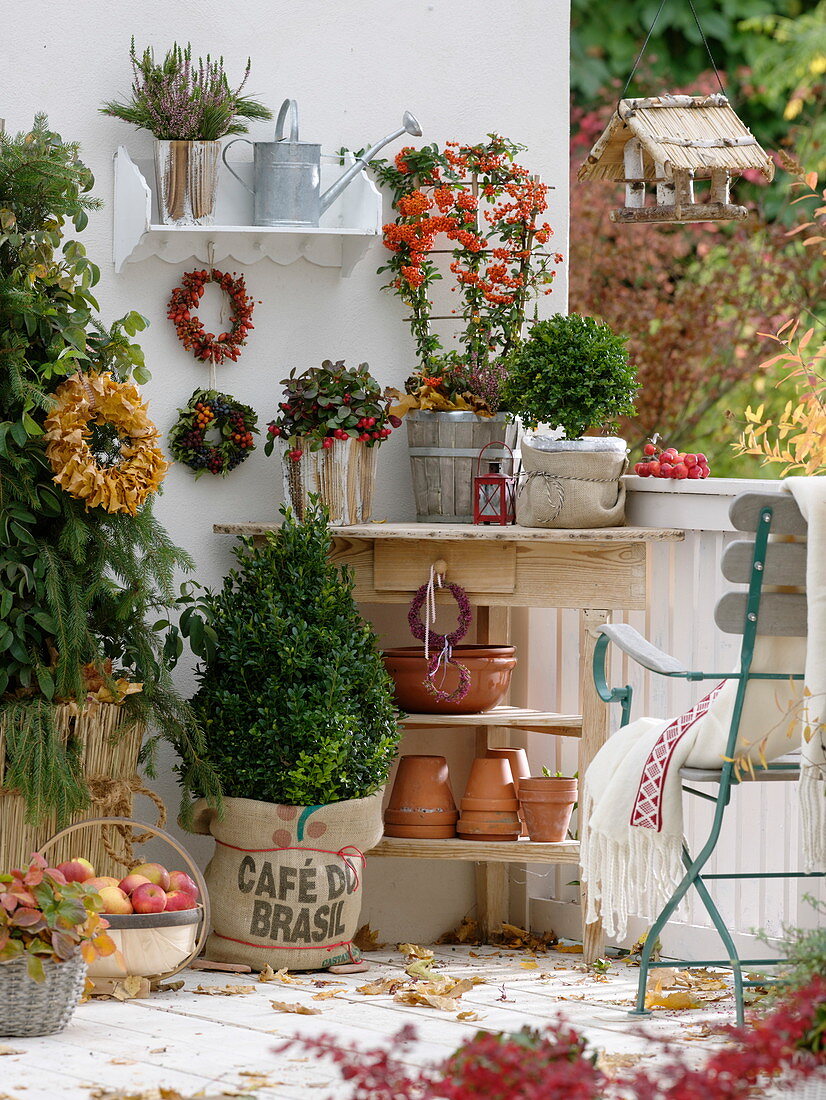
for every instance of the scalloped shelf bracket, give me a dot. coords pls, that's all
(348, 227)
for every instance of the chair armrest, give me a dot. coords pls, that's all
(630, 641)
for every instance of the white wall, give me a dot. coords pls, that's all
(464, 67)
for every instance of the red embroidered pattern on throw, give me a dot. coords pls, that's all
(647, 809)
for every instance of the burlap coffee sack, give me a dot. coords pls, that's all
(285, 882)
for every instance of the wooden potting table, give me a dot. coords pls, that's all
(594, 571)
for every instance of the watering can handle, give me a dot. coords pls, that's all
(231, 170)
(290, 105)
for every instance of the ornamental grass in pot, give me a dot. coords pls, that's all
(331, 423)
(571, 374)
(50, 929)
(301, 728)
(188, 106)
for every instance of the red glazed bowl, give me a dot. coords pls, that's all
(490, 670)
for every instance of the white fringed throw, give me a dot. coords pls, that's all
(810, 495)
(631, 812)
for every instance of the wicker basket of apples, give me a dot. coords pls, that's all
(158, 918)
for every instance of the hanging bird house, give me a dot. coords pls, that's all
(494, 493)
(661, 147)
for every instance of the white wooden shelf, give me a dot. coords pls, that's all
(347, 229)
(479, 851)
(517, 718)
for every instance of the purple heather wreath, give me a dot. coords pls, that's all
(443, 642)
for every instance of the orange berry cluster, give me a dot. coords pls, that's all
(186, 298)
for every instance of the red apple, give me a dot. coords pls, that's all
(149, 898)
(179, 899)
(115, 901)
(76, 869)
(155, 873)
(180, 880)
(100, 881)
(132, 882)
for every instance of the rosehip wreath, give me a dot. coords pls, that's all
(185, 300)
(207, 409)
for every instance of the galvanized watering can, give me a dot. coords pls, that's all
(287, 172)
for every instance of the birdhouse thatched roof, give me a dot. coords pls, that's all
(697, 133)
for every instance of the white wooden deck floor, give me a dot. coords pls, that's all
(216, 1046)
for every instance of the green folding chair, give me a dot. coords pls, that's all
(756, 562)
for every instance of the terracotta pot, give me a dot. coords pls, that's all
(421, 832)
(520, 769)
(490, 670)
(489, 825)
(490, 804)
(548, 804)
(421, 798)
(491, 778)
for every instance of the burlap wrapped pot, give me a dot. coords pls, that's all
(571, 483)
(285, 882)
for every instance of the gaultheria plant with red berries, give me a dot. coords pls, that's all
(485, 211)
(329, 403)
(555, 1064)
(45, 918)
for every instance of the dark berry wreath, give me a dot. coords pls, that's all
(185, 300)
(236, 424)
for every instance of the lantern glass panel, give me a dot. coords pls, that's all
(490, 499)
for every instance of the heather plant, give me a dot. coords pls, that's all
(295, 702)
(179, 99)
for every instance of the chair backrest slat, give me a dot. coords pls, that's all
(781, 613)
(787, 519)
(785, 563)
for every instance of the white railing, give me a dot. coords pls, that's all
(761, 831)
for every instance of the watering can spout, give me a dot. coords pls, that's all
(409, 126)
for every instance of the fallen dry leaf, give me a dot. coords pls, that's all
(5, 1051)
(223, 990)
(122, 1062)
(420, 968)
(529, 964)
(383, 985)
(283, 975)
(298, 1009)
(569, 948)
(469, 1017)
(131, 988)
(428, 1000)
(467, 931)
(327, 996)
(414, 951)
(168, 987)
(676, 1001)
(367, 939)
(610, 1063)
(511, 935)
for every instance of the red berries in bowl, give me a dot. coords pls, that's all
(671, 463)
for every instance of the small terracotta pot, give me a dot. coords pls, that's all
(490, 670)
(520, 769)
(548, 804)
(421, 832)
(490, 804)
(491, 778)
(421, 798)
(488, 825)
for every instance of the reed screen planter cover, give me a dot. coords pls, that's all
(444, 447)
(285, 882)
(343, 476)
(186, 177)
(108, 741)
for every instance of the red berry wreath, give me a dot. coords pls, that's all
(185, 300)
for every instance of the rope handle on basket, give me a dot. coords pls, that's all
(495, 443)
(116, 796)
(152, 831)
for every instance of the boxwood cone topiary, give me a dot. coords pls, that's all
(294, 699)
(571, 373)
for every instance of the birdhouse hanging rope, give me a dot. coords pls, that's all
(670, 142)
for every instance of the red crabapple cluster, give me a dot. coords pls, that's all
(671, 463)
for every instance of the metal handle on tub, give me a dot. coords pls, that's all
(173, 843)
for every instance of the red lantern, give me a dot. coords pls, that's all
(494, 493)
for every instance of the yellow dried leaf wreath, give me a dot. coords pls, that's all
(87, 399)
